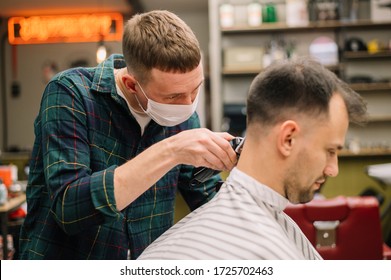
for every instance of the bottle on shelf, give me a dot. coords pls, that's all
(254, 12)
(227, 15)
(297, 12)
(269, 12)
(3, 193)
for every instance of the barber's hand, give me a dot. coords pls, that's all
(202, 147)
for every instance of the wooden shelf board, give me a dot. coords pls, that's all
(312, 26)
(229, 72)
(366, 153)
(371, 86)
(366, 54)
(379, 119)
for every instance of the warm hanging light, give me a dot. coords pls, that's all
(101, 52)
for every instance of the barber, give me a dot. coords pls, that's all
(114, 143)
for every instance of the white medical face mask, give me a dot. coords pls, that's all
(168, 114)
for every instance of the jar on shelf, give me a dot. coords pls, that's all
(3, 193)
(269, 12)
(227, 15)
(254, 12)
(297, 12)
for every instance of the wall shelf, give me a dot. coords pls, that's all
(370, 87)
(230, 86)
(253, 72)
(366, 55)
(380, 118)
(311, 27)
(244, 72)
(366, 153)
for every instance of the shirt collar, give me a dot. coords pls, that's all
(104, 80)
(260, 192)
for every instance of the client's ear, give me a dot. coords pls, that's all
(286, 137)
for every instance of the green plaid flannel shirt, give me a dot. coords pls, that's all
(84, 130)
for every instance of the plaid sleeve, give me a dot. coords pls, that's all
(195, 196)
(79, 197)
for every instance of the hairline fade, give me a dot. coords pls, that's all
(300, 86)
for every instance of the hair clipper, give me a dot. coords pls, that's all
(201, 174)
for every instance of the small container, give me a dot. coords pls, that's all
(3, 193)
(269, 13)
(297, 12)
(227, 15)
(254, 11)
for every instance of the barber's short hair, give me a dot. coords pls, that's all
(303, 86)
(159, 39)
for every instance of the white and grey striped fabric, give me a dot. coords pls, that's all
(245, 220)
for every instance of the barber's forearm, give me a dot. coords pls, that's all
(196, 147)
(133, 178)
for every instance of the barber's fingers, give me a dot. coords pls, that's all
(224, 135)
(202, 147)
(221, 153)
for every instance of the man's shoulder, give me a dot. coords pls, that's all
(74, 76)
(98, 77)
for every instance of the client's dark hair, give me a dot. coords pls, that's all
(299, 86)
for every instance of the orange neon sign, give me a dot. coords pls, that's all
(65, 28)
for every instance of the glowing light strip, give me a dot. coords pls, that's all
(65, 28)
